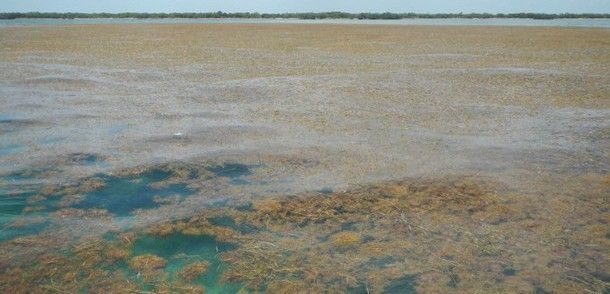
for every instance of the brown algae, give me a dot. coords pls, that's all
(525, 107)
(345, 239)
(452, 234)
(147, 262)
(194, 270)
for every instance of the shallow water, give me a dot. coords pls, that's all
(181, 250)
(592, 23)
(349, 159)
(122, 196)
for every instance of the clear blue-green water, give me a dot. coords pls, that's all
(121, 196)
(394, 241)
(11, 207)
(180, 250)
(597, 23)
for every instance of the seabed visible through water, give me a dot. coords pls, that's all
(369, 238)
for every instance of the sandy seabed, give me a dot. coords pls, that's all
(304, 158)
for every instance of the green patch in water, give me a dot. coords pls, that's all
(8, 234)
(180, 250)
(231, 170)
(229, 222)
(12, 206)
(11, 148)
(121, 196)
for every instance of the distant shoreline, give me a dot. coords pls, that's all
(603, 23)
(307, 16)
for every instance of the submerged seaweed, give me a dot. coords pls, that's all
(451, 234)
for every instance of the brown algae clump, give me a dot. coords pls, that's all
(195, 226)
(345, 239)
(446, 235)
(82, 213)
(194, 270)
(116, 253)
(179, 287)
(163, 229)
(268, 206)
(421, 231)
(147, 262)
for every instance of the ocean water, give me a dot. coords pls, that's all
(592, 23)
(291, 159)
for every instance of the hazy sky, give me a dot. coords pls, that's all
(497, 6)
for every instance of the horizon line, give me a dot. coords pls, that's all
(301, 15)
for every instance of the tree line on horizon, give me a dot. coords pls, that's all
(304, 15)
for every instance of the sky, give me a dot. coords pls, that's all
(274, 6)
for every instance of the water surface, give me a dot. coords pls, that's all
(593, 23)
(273, 158)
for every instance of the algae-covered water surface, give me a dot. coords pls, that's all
(303, 158)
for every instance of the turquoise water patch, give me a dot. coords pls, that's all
(12, 206)
(180, 250)
(234, 171)
(231, 170)
(51, 140)
(123, 195)
(8, 232)
(11, 148)
(228, 222)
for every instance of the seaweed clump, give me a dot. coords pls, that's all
(147, 262)
(47, 266)
(345, 239)
(440, 236)
(446, 235)
(196, 226)
(194, 270)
